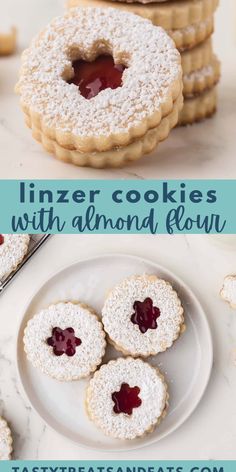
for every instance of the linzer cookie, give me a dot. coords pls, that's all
(187, 22)
(13, 248)
(5, 441)
(97, 81)
(8, 41)
(199, 107)
(228, 292)
(142, 316)
(127, 398)
(65, 341)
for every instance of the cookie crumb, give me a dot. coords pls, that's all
(228, 291)
(8, 41)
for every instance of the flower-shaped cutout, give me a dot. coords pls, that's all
(145, 315)
(100, 74)
(64, 341)
(126, 399)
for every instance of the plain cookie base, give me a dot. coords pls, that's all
(222, 294)
(198, 57)
(4, 426)
(8, 42)
(137, 356)
(204, 79)
(170, 15)
(150, 430)
(116, 157)
(76, 127)
(198, 108)
(191, 36)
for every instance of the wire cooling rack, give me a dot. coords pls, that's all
(36, 241)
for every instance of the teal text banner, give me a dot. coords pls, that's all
(118, 466)
(118, 206)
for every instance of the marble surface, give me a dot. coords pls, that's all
(205, 150)
(202, 262)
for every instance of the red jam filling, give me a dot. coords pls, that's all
(92, 77)
(126, 399)
(145, 315)
(1, 239)
(64, 341)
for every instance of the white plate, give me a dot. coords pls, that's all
(187, 365)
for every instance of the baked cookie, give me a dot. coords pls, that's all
(65, 341)
(127, 398)
(187, 22)
(199, 107)
(203, 79)
(228, 291)
(5, 441)
(121, 154)
(192, 35)
(142, 315)
(82, 101)
(198, 57)
(8, 42)
(13, 248)
(174, 14)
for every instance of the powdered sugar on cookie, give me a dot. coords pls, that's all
(13, 248)
(201, 74)
(109, 379)
(119, 308)
(228, 292)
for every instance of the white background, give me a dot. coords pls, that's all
(210, 433)
(206, 150)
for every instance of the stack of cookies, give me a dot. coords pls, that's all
(190, 23)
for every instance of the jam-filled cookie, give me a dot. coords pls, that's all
(65, 341)
(142, 315)
(127, 398)
(101, 87)
(13, 248)
(5, 441)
